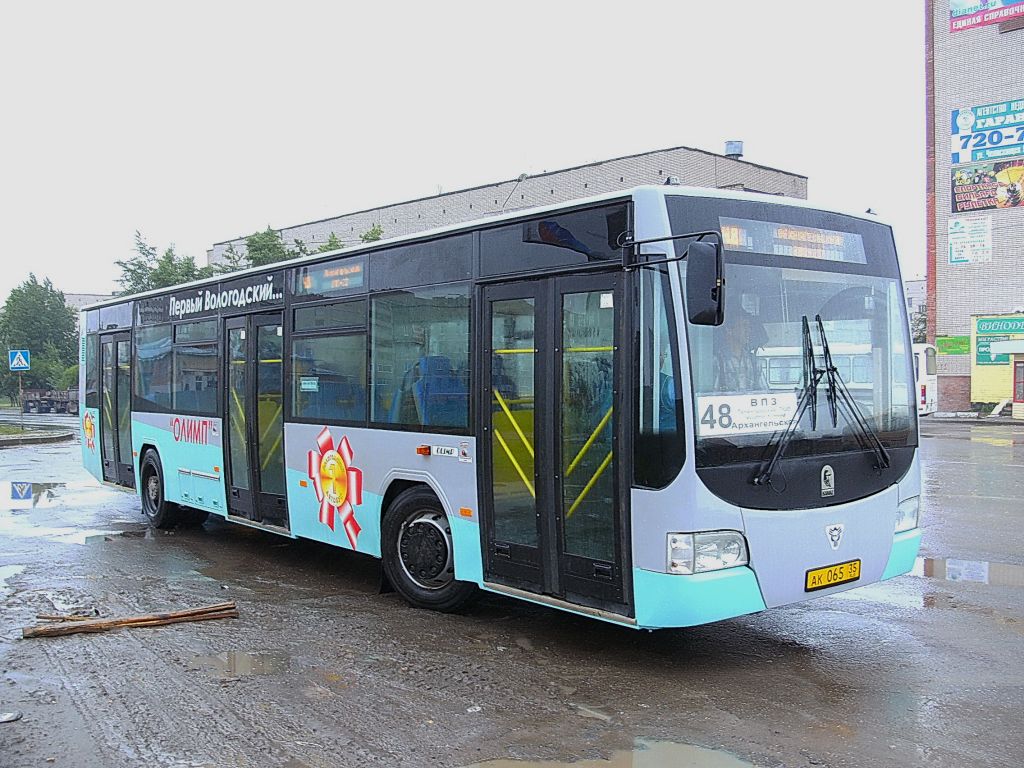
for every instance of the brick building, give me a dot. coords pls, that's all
(693, 167)
(974, 64)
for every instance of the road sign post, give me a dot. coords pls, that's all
(20, 360)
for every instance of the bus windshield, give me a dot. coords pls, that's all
(784, 264)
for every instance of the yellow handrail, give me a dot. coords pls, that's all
(590, 441)
(590, 484)
(519, 469)
(514, 351)
(589, 349)
(515, 424)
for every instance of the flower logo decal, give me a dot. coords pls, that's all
(338, 485)
(89, 430)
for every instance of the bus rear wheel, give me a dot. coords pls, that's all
(417, 553)
(160, 512)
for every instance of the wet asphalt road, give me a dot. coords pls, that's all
(322, 671)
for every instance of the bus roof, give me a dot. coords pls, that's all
(664, 190)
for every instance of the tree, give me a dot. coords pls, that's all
(148, 269)
(234, 260)
(69, 378)
(919, 326)
(332, 244)
(373, 234)
(267, 247)
(35, 317)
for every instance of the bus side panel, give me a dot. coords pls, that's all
(339, 475)
(91, 442)
(191, 455)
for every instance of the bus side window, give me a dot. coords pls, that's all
(419, 357)
(153, 368)
(92, 371)
(659, 446)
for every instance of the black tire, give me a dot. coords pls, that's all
(158, 510)
(417, 553)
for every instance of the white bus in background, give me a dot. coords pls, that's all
(926, 376)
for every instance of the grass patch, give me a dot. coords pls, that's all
(9, 429)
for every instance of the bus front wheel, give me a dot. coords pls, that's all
(156, 507)
(417, 552)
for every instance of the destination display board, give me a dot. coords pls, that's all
(750, 236)
(333, 278)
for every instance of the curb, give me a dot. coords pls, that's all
(9, 441)
(1004, 421)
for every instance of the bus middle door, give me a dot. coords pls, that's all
(549, 397)
(254, 419)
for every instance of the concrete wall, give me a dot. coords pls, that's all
(971, 68)
(692, 166)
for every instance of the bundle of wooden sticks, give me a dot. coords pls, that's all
(71, 624)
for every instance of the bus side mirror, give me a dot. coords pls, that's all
(705, 283)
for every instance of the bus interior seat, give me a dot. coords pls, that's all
(342, 399)
(440, 396)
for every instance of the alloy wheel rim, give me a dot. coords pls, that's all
(425, 550)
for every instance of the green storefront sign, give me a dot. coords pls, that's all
(1000, 325)
(953, 345)
(983, 354)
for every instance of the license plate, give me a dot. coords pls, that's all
(832, 575)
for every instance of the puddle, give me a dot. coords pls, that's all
(8, 572)
(34, 494)
(242, 663)
(18, 526)
(645, 754)
(37, 511)
(980, 571)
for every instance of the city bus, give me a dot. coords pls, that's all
(563, 405)
(926, 376)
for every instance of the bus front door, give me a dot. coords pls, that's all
(254, 419)
(552, 512)
(116, 409)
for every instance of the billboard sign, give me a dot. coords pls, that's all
(990, 329)
(970, 240)
(971, 14)
(989, 132)
(986, 186)
(953, 345)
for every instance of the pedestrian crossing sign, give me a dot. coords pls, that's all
(19, 359)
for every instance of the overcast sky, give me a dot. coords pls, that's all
(195, 122)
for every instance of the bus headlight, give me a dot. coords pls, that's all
(907, 513)
(702, 552)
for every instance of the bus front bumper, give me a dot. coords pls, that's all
(905, 547)
(671, 600)
(666, 600)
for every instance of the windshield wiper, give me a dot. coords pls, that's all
(839, 398)
(808, 399)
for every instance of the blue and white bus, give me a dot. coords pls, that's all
(568, 405)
